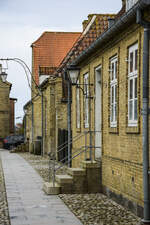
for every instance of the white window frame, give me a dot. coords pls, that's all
(130, 4)
(132, 93)
(78, 115)
(113, 91)
(86, 101)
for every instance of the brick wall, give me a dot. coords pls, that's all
(4, 110)
(54, 114)
(121, 146)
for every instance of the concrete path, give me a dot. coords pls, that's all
(28, 204)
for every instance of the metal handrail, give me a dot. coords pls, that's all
(78, 152)
(71, 158)
(65, 144)
(61, 166)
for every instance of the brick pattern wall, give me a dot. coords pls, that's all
(121, 146)
(54, 114)
(4, 111)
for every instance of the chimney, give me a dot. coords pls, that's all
(123, 3)
(110, 22)
(84, 24)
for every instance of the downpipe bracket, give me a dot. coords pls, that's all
(145, 112)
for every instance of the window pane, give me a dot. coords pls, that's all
(135, 109)
(86, 103)
(115, 93)
(136, 59)
(130, 110)
(115, 112)
(112, 113)
(78, 108)
(131, 89)
(112, 94)
(86, 112)
(116, 69)
(112, 71)
(131, 62)
(135, 88)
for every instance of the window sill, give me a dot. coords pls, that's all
(78, 130)
(132, 130)
(113, 130)
(132, 124)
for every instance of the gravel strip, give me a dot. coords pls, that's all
(91, 209)
(41, 164)
(4, 214)
(97, 209)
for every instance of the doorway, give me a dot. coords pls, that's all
(98, 109)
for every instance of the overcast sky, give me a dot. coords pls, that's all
(23, 21)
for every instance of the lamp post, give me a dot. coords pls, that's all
(73, 75)
(3, 76)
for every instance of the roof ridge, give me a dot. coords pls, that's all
(86, 38)
(101, 14)
(54, 32)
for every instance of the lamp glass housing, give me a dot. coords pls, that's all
(3, 76)
(73, 74)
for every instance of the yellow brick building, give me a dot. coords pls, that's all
(114, 65)
(4, 110)
(48, 111)
(45, 117)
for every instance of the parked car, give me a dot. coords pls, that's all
(12, 141)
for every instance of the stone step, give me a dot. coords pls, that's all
(49, 189)
(76, 172)
(64, 179)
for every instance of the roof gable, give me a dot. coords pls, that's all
(97, 26)
(52, 47)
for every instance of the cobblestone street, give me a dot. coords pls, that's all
(91, 209)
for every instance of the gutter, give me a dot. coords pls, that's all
(114, 29)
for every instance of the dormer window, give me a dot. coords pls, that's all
(130, 4)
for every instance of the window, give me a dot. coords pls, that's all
(113, 92)
(132, 85)
(86, 101)
(130, 3)
(77, 107)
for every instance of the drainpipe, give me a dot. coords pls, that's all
(69, 122)
(145, 112)
(42, 119)
(32, 121)
(25, 127)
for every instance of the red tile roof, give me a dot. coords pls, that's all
(50, 49)
(96, 27)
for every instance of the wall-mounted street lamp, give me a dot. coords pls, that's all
(73, 76)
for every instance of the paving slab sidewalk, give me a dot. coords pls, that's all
(28, 204)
